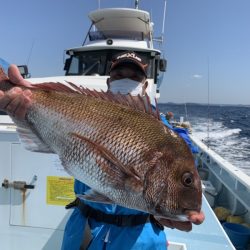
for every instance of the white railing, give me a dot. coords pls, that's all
(234, 179)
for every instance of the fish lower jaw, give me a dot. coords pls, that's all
(179, 217)
(182, 216)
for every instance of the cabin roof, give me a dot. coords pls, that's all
(121, 19)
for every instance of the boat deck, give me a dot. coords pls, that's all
(209, 235)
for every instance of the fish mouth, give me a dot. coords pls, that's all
(191, 209)
(193, 216)
(182, 218)
(179, 217)
(180, 225)
(187, 211)
(182, 215)
(188, 215)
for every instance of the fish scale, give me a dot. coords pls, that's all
(125, 154)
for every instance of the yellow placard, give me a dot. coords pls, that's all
(60, 190)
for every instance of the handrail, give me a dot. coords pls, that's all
(214, 157)
(233, 178)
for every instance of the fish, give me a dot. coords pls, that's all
(116, 144)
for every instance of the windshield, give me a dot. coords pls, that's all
(98, 62)
(116, 34)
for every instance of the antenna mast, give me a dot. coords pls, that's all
(163, 22)
(137, 4)
(160, 38)
(31, 49)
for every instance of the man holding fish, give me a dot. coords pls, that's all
(114, 226)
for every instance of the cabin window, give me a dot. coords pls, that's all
(98, 62)
(74, 66)
(117, 34)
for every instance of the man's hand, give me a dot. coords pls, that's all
(194, 217)
(16, 101)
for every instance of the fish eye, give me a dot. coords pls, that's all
(187, 179)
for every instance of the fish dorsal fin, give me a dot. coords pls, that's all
(138, 103)
(55, 86)
(135, 102)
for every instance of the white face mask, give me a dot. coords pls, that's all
(126, 86)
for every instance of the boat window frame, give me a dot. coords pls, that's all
(117, 34)
(103, 66)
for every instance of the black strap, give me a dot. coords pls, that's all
(118, 220)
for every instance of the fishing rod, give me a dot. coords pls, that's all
(208, 102)
(186, 112)
(30, 52)
(160, 39)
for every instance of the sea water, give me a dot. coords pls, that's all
(225, 128)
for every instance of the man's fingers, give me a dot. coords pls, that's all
(2, 100)
(196, 218)
(15, 102)
(21, 108)
(15, 76)
(27, 93)
(6, 99)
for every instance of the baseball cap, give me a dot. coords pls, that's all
(129, 57)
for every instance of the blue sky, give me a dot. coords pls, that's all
(196, 32)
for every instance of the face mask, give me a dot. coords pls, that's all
(126, 86)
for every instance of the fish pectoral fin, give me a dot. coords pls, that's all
(94, 196)
(105, 153)
(135, 185)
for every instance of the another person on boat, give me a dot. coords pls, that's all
(182, 131)
(169, 116)
(119, 227)
(128, 75)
